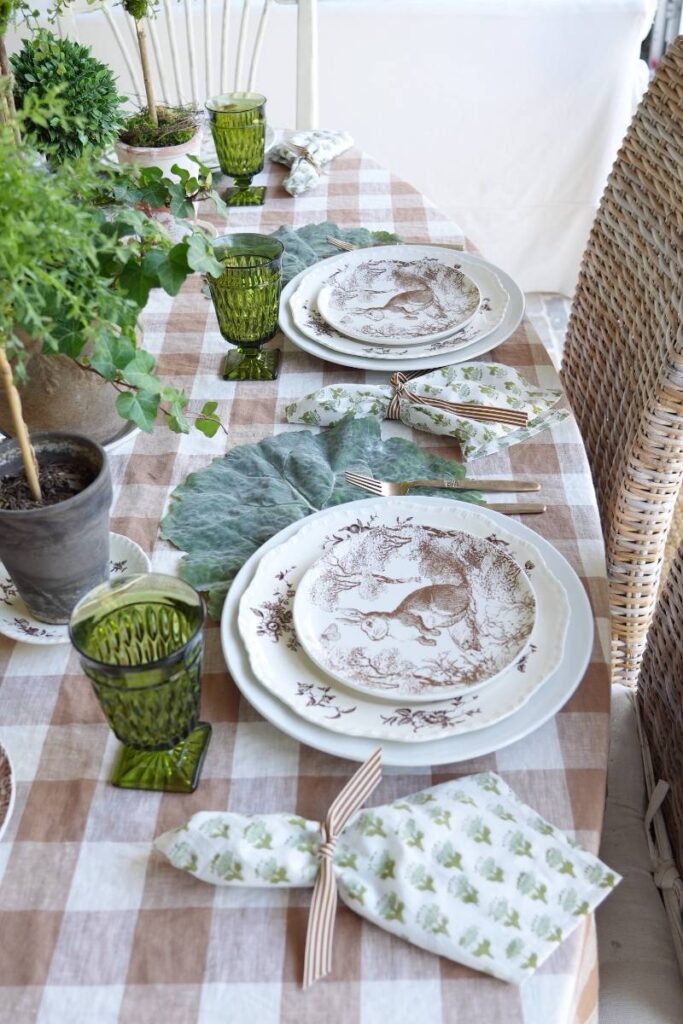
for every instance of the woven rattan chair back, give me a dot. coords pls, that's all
(660, 696)
(201, 48)
(623, 360)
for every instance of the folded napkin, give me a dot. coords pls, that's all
(463, 869)
(305, 153)
(305, 246)
(419, 402)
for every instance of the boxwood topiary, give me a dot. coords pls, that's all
(87, 88)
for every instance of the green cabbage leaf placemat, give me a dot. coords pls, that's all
(305, 246)
(221, 514)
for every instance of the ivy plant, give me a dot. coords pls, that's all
(76, 275)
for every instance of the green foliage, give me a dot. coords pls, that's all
(92, 108)
(223, 513)
(137, 8)
(75, 273)
(176, 125)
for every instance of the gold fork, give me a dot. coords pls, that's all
(391, 489)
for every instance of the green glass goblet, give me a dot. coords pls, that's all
(238, 126)
(140, 643)
(246, 297)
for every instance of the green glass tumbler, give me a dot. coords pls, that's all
(140, 642)
(246, 298)
(238, 126)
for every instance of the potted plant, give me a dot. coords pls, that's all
(76, 276)
(87, 90)
(156, 136)
(54, 518)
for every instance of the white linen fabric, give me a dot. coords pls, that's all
(306, 153)
(464, 870)
(639, 977)
(506, 113)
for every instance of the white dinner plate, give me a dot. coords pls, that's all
(303, 307)
(397, 294)
(541, 706)
(415, 611)
(511, 320)
(279, 662)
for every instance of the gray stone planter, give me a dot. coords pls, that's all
(57, 553)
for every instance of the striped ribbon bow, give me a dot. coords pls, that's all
(470, 410)
(320, 932)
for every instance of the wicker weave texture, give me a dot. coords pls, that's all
(623, 358)
(660, 695)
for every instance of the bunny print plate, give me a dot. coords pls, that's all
(398, 294)
(279, 662)
(414, 612)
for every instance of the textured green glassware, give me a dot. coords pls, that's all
(238, 126)
(246, 298)
(140, 643)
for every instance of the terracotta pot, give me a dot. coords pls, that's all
(57, 553)
(59, 395)
(162, 156)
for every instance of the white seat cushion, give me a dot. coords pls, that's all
(639, 978)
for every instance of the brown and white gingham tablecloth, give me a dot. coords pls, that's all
(94, 928)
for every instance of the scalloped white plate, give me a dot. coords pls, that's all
(540, 706)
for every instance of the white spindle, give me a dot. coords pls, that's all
(258, 43)
(241, 45)
(130, 65)
(225, 39)
(207, 48)
(160, 62)
(307, 65)
(173, 42)
(189, 26)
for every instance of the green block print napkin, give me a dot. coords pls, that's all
(305, 246)
(480, 383)
(464, 870)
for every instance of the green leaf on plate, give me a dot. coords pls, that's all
(221, 515)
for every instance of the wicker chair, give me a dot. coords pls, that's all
(623, 359)
(659, 701)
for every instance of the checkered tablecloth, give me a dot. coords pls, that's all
(96, 928)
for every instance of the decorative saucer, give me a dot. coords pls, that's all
(17, 622)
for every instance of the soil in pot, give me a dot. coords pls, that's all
(58, 481)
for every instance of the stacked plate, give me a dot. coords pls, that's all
(442, 631)
(400, 307)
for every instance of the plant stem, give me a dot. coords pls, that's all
(8, 99)
(146, 72)
(13, 400)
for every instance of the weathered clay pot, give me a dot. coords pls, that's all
(59, 395)
(57, 553)
(162, 156)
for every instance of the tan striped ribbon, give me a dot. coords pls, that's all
(472, 411)
(320, 932)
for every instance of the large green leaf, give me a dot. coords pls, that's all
(222, 514)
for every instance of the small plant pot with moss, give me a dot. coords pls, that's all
(176, 138)
(57, 549)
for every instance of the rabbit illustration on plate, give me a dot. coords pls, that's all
(429, 610)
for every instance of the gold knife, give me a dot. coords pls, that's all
(503, 486)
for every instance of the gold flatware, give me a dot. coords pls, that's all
(339, 243)
(390, 490)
